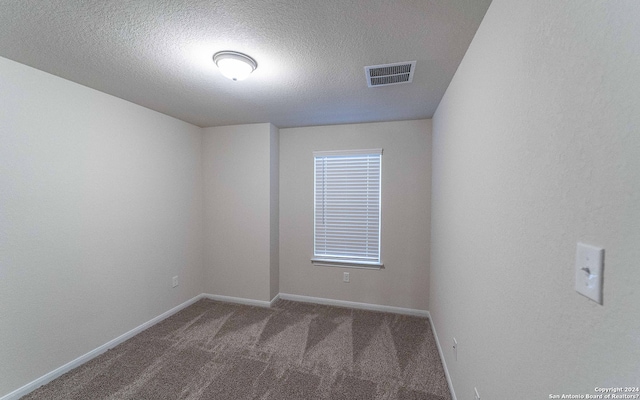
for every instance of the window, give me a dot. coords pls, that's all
(347, 207)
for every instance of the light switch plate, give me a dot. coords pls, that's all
(589, 271)
(455, 349)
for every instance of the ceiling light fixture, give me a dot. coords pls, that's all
(234, 65)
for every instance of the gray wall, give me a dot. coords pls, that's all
(274, 209)
(535, 148)
(406, 174)
(240, 208)
(100, 206)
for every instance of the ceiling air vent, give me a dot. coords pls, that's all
(390, 74)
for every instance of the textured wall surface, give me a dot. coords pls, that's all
(100, 206)
(406, 177)
(535, 148)
(238, 210)
(311, 54)
(274, 210)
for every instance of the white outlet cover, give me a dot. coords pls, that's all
(589, 271)
(345, 277)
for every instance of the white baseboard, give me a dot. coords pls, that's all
(237, 300)
(444, 363)
(43, 380)
(352, 304)
(276, 298)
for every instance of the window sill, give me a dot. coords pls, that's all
(323, 262)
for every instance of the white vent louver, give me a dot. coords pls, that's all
(390, 74)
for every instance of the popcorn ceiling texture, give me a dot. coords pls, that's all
(214, 350)
(311, 54)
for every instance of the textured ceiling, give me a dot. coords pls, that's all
(311, 54)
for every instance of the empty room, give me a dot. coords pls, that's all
(282, 199)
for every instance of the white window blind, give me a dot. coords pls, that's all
(347, 206)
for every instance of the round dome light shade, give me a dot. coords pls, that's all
(234, 65)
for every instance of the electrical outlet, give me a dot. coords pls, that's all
(455, 349)
(174, 283)
(476, 396)
(345, 277)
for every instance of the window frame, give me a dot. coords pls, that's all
(346, 261)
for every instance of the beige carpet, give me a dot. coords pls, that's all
(215, 350)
